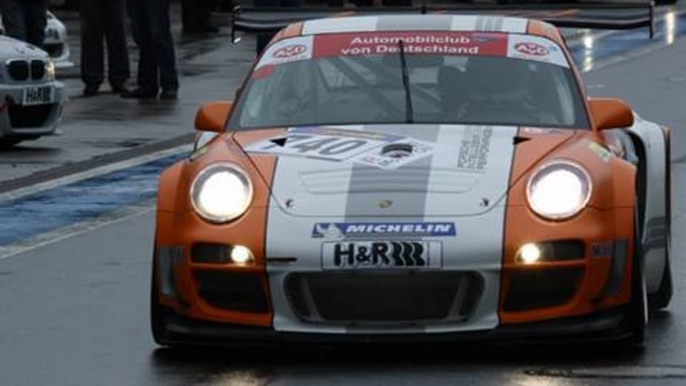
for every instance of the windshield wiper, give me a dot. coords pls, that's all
(406, 83)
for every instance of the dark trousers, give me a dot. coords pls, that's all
(152, 33)
(25, 20)
(196, 13)
(104, 21)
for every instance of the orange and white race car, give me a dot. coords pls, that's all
(425, 177)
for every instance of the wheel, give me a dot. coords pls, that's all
(6, 143)
(637, 317)
(663, 296)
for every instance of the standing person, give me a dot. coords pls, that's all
(157, 64)
(25, 20)
(197, 16)
(104, 21)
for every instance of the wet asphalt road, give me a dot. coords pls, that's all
(75, 312)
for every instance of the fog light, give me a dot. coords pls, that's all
(241, 255)
(529, 253)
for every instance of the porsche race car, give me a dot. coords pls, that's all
(424, 177)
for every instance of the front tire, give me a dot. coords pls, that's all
(637, 317)
(661, 299)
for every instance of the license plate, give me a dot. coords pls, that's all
(382, 254)
(40, 95)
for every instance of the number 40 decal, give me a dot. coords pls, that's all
(327, 147)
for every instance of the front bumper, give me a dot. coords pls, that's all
(605, 326)
(29, 122)
(597, 286)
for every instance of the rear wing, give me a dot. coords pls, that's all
(614, 16)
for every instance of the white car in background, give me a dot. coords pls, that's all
(31, 100)
(56, 41)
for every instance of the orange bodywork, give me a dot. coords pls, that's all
(609, 217)
(179, 225)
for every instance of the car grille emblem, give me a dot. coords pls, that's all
(385, 204)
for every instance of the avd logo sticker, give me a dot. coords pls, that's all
(534, 49)
(290, 51)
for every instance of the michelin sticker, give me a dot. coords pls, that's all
(331, 144)
(338, 231)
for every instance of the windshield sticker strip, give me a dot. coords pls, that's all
(525, 47)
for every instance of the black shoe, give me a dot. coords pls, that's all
(119, 89)
(91, 90)
(139, 94)
(169, 94)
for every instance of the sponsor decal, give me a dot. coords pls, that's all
(386, 229)
(382, 254)
(415, 42)
(604, 249)
(602, 153)
(532, 49)
(378, 43)
(286, 51)
(331, 144)
(535, 48)
(474, 149)
(290, 51)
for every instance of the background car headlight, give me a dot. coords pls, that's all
(49, 70)
(221, 193)
(559, 190)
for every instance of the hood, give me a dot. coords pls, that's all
(407, 170)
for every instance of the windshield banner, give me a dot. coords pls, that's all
(418, 42)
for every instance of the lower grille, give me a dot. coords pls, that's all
(540, 289)
(241, 292)
(22, 117)
(384, 298)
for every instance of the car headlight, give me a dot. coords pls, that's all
(221, 193)
(49, 70)
(559, 190)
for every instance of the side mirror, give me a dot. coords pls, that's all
(213, 116)
(608, 113)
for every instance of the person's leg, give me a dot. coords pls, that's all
(13, 19)
(92, 64)
(36, 18)
(113, 16)
(163, 44)
(147, 64)
(189, 16)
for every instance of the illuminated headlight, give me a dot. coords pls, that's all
(559, 190)
(221, 193)
(49, 70)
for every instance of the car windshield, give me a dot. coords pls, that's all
(358, 79)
